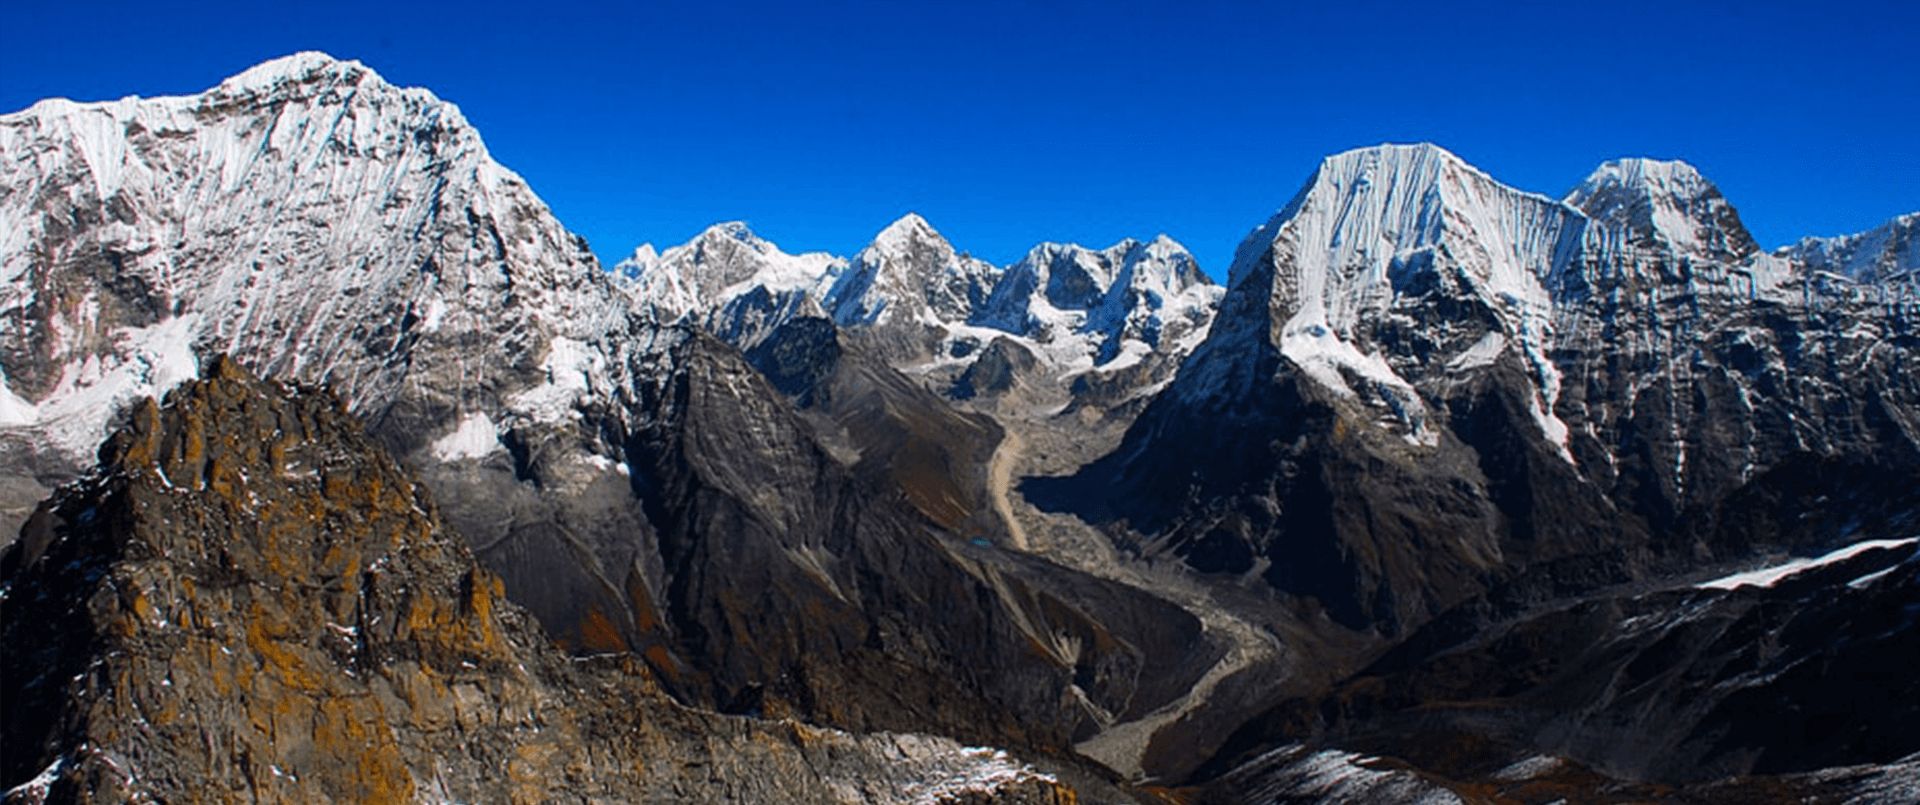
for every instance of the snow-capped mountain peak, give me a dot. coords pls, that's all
(1890, 251)
(305, 216)
(730, 235)
(1366, 204)
(1663, 205)
(1157, 291)
(1379, 229)
(910, 229)
(295, 68)
(1164, 246)
(1051, 287)
(1170, 262)
(644, 256)
(910, 272)
(1074, 306)
(722, 264)
(1371, 218)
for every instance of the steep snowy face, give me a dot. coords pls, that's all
(1044, 289)
(1350, 271)
(1159, 294)
(643, 278)
(1664, 207)
(1373, 222)
(720, 264)
(1887, 253)
(1072, 277)
(930, 310)
(910, 273)
(1101, 300)
(306, 217)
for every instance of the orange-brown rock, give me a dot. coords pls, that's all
(249, 601)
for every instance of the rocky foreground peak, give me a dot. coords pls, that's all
(248, 599)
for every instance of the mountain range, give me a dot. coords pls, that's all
(1446, 495)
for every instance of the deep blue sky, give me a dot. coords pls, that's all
(1011, 123)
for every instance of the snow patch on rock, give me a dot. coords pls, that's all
(1774, 574)
(475, 437)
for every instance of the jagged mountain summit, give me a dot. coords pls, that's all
(1884, 257)
(909, 273)
(1128, 299)
(1665, 207)
(930, 309)
(736, 283)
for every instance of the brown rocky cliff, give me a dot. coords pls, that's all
(249, 600)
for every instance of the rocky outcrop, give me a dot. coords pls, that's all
(248, 599)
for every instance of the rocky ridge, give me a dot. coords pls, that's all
(1721, 689)
(248, 599)
(1883, 258)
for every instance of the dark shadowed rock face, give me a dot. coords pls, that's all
(793, 584)
(248, 599)
(896, 432)
(1770, 681)
(1002, 366)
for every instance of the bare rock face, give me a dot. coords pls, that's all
(796, 584)
(248, 599)
(895, 432)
